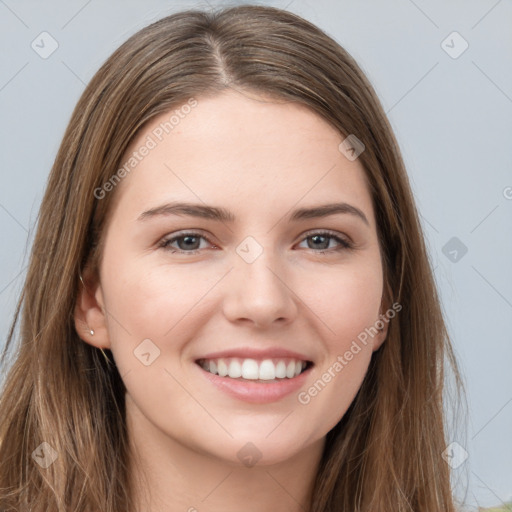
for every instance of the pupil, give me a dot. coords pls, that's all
(316, 237)
(185, 238)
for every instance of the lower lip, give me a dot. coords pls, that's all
(257, 392)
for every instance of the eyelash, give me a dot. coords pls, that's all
(344, 244)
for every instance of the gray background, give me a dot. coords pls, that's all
(452, 117)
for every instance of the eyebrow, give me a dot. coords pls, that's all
(223, 215)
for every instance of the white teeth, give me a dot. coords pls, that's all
(234, 369)
(267, 370)
(252, 369)
(281, 370)
(222, 367)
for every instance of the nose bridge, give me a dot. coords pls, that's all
(257, 289)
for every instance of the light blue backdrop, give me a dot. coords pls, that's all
(449, 99)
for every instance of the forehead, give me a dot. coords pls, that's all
(253, 151)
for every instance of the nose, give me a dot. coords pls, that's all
(258, 293)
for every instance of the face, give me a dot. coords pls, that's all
(238, 317)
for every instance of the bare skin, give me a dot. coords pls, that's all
(304, 292)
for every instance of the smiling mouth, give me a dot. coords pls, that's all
(264, 371)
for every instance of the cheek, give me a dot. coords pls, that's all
(334, 388)
(350, 310)
(167, 306)
(346, 300)
(149, 300)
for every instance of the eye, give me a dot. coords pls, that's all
(190, 242)
(321, 240)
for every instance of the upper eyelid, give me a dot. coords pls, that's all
(183, 233)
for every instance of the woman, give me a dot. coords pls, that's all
(184, 342)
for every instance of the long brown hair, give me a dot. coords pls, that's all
(386, 452)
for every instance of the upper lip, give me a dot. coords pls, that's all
(255, 353)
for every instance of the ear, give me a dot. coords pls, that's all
(89, 313)
(383, 322)
(379, 338)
